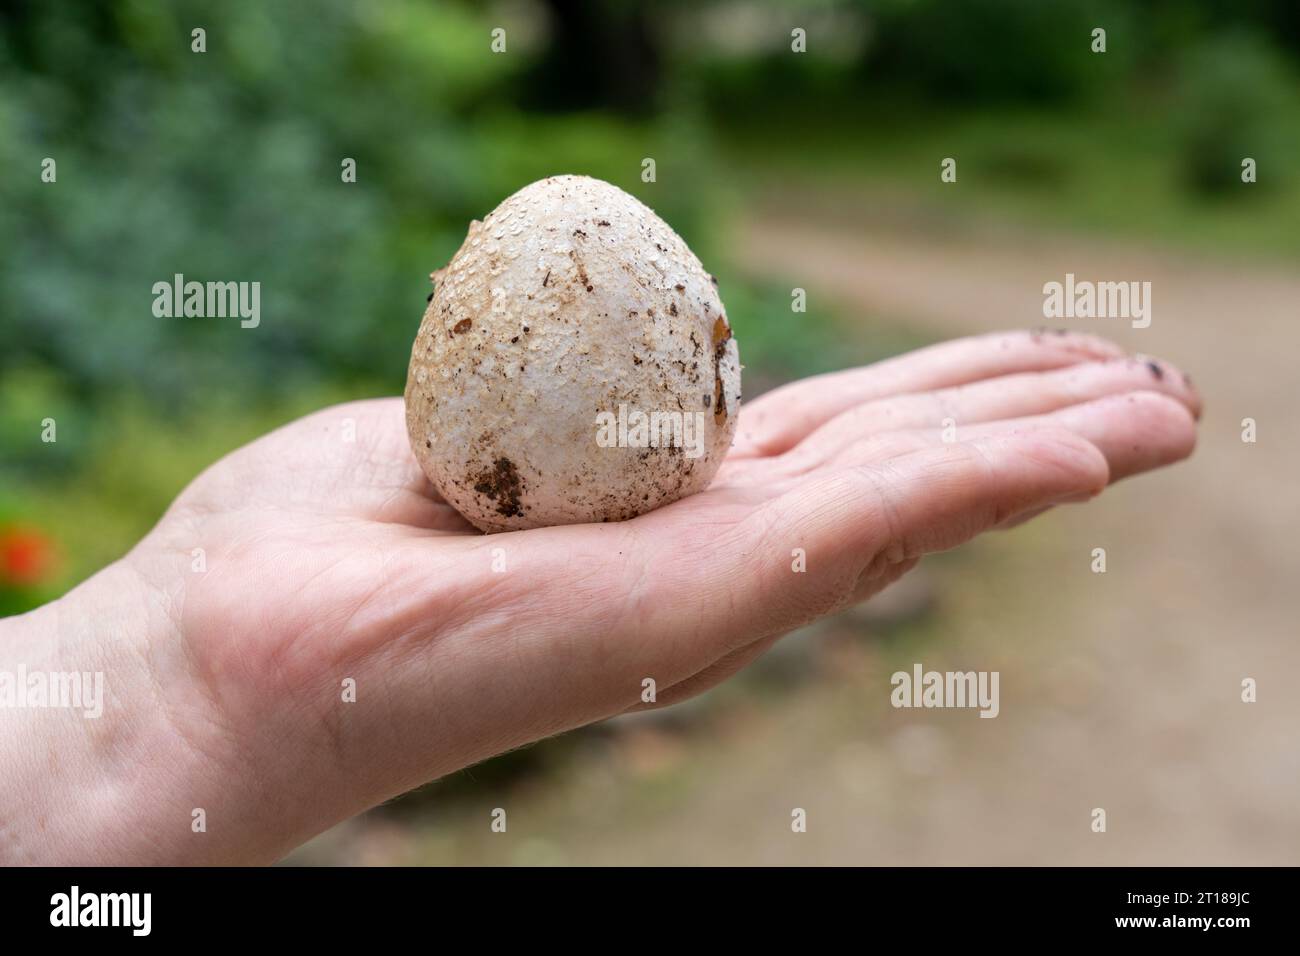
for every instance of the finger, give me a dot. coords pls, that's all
(354, 458)
(1005, 397)
(777, 421)
(418, 512)
(1135, 432)
(848, 530)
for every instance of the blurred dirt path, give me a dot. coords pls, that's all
(1127, 693)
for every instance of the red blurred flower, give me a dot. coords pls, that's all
(26, 555)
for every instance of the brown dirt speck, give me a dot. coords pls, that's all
(582, 270)
(721, 333)
(502, 484)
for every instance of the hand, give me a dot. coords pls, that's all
(329, 559)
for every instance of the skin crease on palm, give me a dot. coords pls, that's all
(328, 559)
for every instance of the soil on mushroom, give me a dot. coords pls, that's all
(502, 484)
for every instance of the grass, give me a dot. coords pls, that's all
(1114, 175)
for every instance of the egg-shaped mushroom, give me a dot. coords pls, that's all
(575, 364)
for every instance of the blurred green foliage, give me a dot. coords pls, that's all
(226, 166)
(1234, 90)
(958, 49)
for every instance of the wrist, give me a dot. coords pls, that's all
(101, 762)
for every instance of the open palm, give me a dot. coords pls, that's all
(328, 559)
